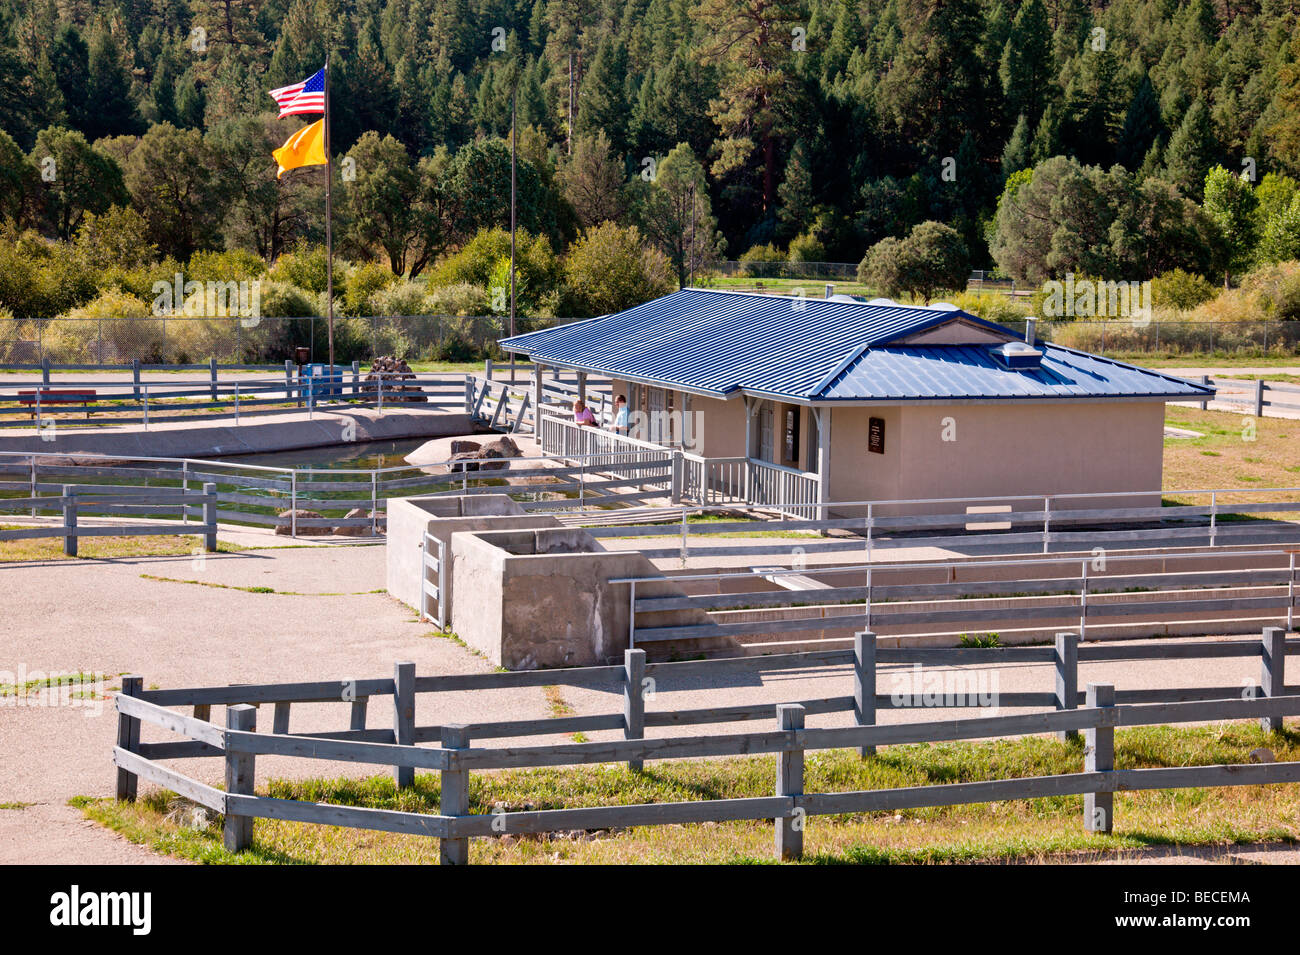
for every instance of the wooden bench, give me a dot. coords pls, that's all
(59, 396)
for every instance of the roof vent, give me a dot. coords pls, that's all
(882, 301)
(1017, 356)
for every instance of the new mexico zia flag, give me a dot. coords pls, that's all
(306, 147)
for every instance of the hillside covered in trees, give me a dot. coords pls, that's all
(142, 129)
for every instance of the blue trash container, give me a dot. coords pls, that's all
(323, 381)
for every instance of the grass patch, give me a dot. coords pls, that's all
(16, 805)
(1007, 831)
(1234, 450)
(261, 590)
(106, 548)
(80, 678)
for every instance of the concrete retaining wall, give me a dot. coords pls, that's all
(409, 517)
(543, 598)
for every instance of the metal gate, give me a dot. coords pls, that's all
(433, 558)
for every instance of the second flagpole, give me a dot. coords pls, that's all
(329, 227)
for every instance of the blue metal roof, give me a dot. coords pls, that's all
(721, 343)
(970, 372)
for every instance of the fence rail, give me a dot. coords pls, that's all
(1096, 712)
(952, 598)
(1255, 396)
(24, 404)
(75, 501)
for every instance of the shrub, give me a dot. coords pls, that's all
(1181, 290)
(459, 299)
(362, 282)
(285, 300)
(1278, 288)
(306, 268)
(114, 326)
(402, 297)
(234, 265)
(762, 261)
(807, 248)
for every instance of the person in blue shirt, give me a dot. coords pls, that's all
(620, 415)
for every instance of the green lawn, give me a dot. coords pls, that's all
(1002, 831)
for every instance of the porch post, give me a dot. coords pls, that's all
(582, 387)
(538, 368)
(823, 459)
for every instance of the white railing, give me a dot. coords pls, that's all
(785, 490)
(710, 481)
(598, 447)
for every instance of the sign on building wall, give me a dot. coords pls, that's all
(876, 435)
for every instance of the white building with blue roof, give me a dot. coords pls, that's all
(873, 401)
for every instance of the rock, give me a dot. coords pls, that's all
(464, 447)
(286, 528)
(1262, 755)
(465, 461)
(359, 530)
(490, 459)
(505, 447)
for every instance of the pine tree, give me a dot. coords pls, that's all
(110, 110)
(1016, 155)
(1142, 125)
(1026, 65)
(750, 42)
(601, 102)
(1191, 151)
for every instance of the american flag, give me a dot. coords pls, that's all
(305, 97)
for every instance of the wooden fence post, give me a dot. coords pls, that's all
(1099, 757)
(128, 738)
(69, 521)
(1067, 678)
(237, 832)
(210, 517)
(135, 378)
(356, 378)
(454, 800)
(1272, 673)
(1205, 380)
(634, 700)
(864, 684)
(404, 717)
(212, 373)
(789, 782)
(1259, 397)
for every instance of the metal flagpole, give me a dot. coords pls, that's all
(329, 227)
(514, 139)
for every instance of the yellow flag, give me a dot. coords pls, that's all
(306, 147)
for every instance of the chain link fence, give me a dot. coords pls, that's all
(116, 341)
(251, 341)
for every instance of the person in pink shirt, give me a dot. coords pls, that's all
(582, 414)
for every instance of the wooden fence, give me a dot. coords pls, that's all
(149, 402)
(1096, 712)
(75, 501)
(1254, 396)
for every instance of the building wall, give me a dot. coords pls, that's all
(1000, 449)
